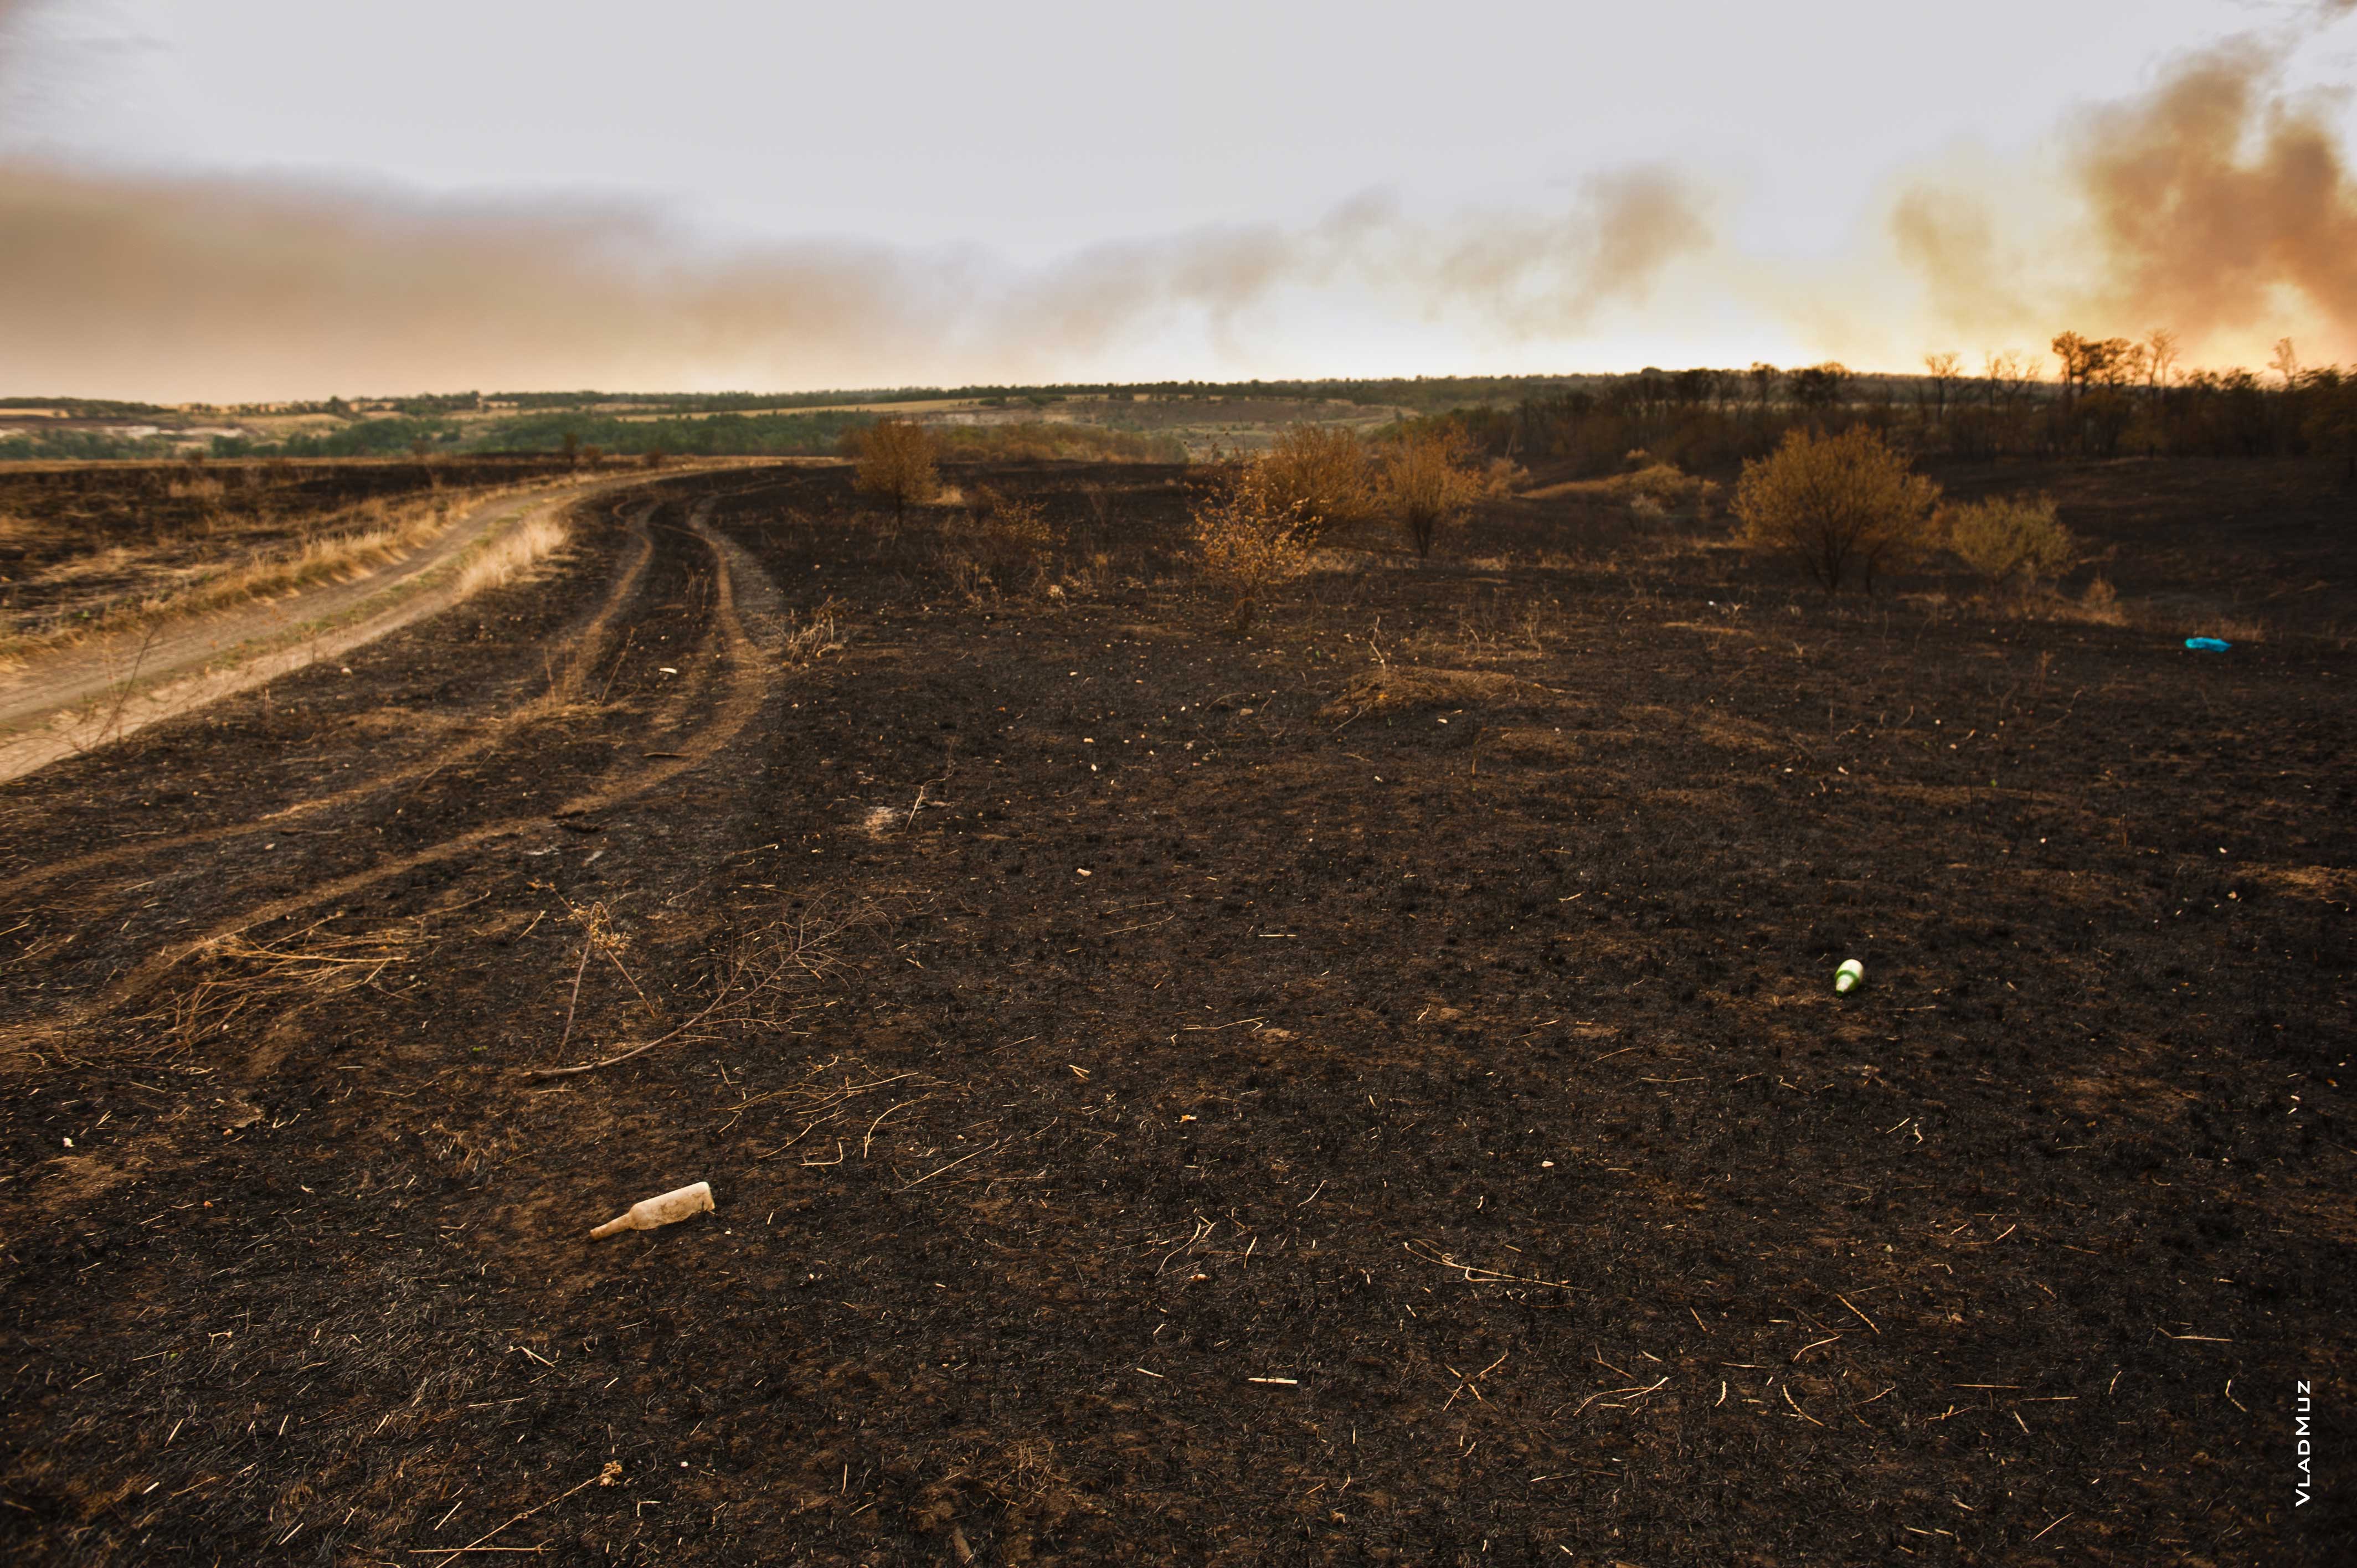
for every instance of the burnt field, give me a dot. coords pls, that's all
(1368, 1092)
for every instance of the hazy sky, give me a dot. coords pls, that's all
(254, 198)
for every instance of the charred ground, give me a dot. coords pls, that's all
(1367, 1092)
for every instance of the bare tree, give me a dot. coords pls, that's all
(1944, 369)
(2286, 363)
(2161, 352)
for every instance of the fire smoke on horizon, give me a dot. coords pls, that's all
(2217, 203)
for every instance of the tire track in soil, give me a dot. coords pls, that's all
(582, 650)
(748, 681)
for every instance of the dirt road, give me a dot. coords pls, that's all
(89, 695)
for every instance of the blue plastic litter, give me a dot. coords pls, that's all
(2207, 644)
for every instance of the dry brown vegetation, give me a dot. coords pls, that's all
(1001, 538)
(1836, 503)
(1322, 474)
(2006, 538)
(514, 552)
(1428, 483)
(1041, 441)
(1246, 538)
(1653, 489)
(898, 461)
(334, 548)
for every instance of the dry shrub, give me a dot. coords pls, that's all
(1246, 538)
(1502, 479)
(2011, 536)
(1393, 688)
(1428, 485)
(898, 460)
(1011, 521)
(996, 538)
(2097, 605)
(1322, 472)
(1837, 502)
(1656, 489)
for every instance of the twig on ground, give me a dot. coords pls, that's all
(1487, 1276)
(870, 1138)
(604, 1477)
(951, 1165)
(760, 968)
(578, 971)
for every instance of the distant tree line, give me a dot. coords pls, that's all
(80, 447)
(82, 407)
(2107, 397)
(395, 436)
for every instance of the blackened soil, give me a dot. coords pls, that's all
(1367, 1091)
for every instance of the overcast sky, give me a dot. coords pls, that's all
(1215, 190)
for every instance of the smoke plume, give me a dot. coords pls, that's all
(2217, 205)
(2214, 194)
(230, 289)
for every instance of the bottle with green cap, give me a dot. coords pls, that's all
(1849, 976)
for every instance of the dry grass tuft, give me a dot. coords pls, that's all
(2097, 605)
(2328, 884)
(1655, 490)
(538, 536)
(809, 638)
(761, 985)
(242, 982)
(999, 539)
(1396, 688)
